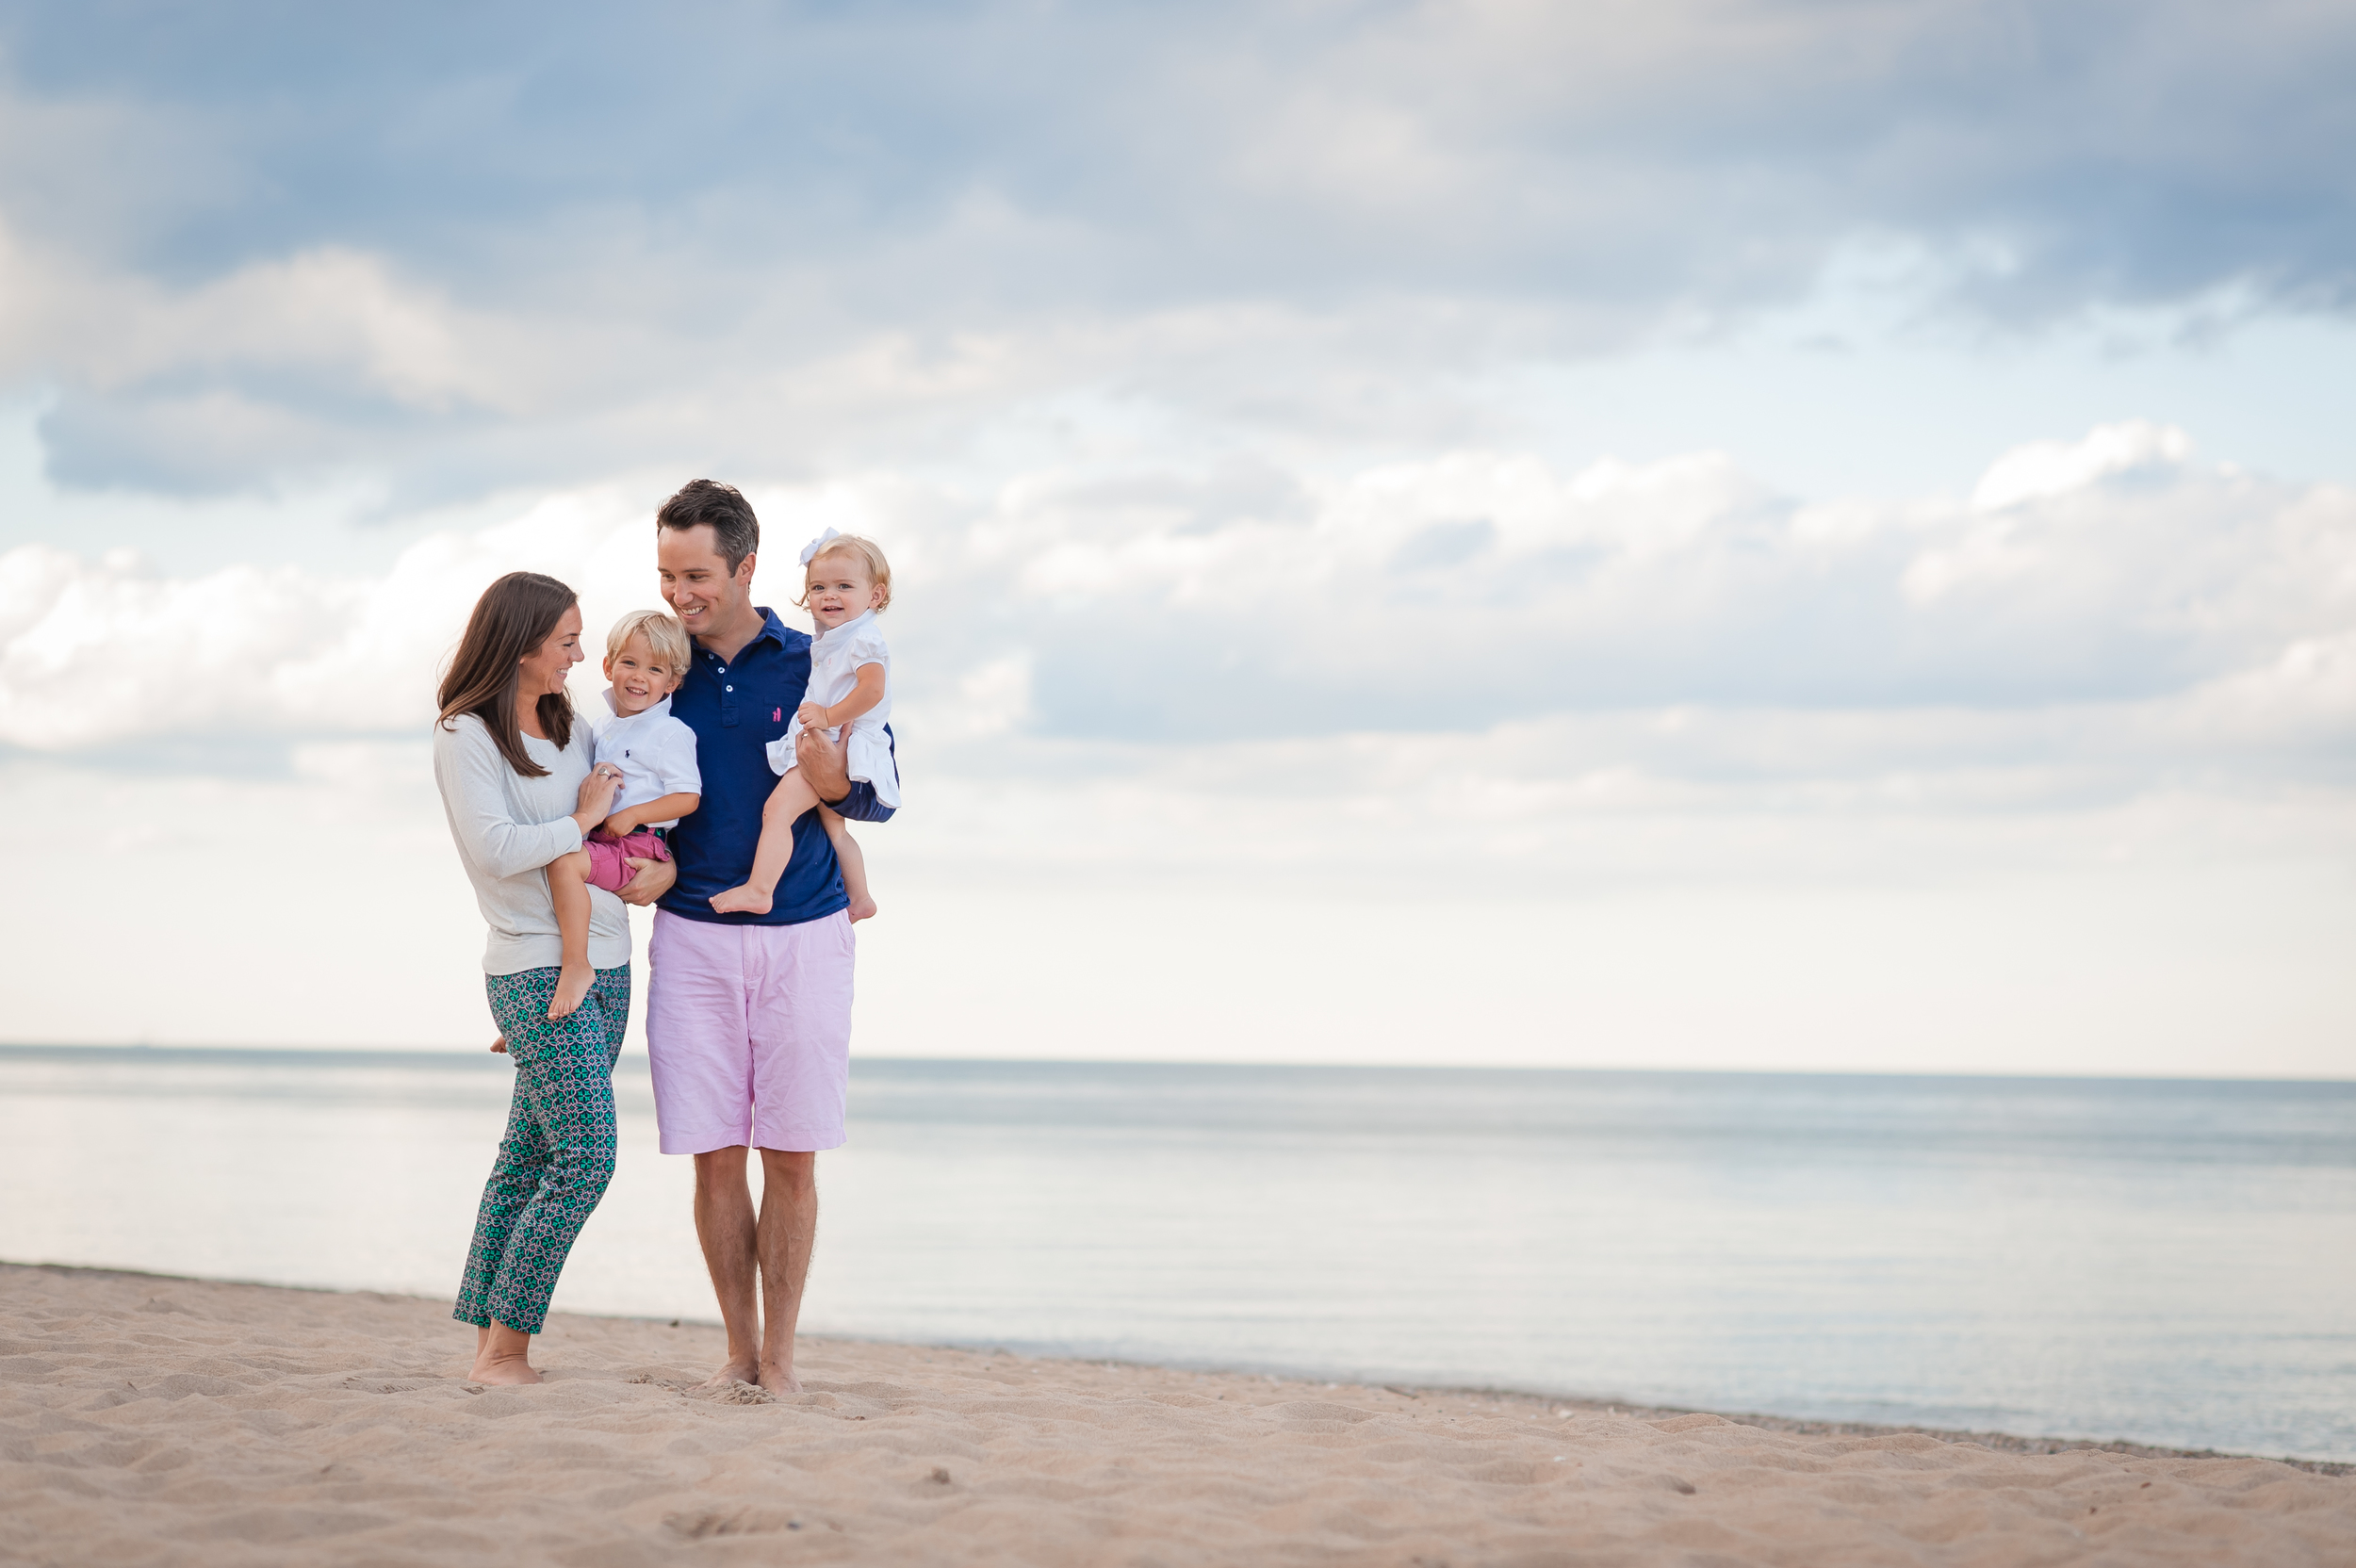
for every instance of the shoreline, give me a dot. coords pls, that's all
(2011, 1443)
(157, 1419)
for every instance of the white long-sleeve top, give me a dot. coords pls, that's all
(508, 828)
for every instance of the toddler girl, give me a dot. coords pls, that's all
(645, 657)
(846, 584)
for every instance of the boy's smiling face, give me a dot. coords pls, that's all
(640, 677)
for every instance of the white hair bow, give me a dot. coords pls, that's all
(809, 551)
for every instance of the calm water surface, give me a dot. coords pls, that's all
(2169, 1261)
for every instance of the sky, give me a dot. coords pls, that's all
(1762, 535)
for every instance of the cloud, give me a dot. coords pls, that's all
(268, 247)
(1477, 633)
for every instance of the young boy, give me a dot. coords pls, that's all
(645, 657)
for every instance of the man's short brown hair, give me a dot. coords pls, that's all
(702, 503)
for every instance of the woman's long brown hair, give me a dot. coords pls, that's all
(511, 620)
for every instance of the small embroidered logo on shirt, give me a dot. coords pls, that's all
(776, 715)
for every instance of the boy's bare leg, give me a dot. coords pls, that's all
(846, 853)
(784, 806)
(789, 1226)
(568, 888)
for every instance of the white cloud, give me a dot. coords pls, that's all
(2042, 468)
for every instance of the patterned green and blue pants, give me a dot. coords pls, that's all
(557, 1153)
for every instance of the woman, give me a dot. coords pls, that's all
(518, 786)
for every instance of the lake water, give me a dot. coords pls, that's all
(2169, 1261)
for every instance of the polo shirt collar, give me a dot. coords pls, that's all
(844, 630)
(772, 630)
(652, 710)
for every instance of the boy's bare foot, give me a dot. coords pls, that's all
(572, 986)
(779, 1380)
(747, 900)
(734, 1372)
(862, 909)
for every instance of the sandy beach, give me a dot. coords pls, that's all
(156, 1420)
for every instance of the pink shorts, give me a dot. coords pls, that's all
(748, 1031)
(609, 856)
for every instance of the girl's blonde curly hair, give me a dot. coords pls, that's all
(870, 554)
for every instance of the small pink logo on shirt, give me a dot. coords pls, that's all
(776, 715)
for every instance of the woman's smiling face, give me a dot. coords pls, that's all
(541, 673)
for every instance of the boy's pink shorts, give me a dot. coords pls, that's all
(610, 856)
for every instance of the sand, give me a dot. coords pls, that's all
(151, 1420)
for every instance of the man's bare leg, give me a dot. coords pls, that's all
(502, 1355)
(789, 1226)
(568, 890)
(774, 853)
(726, 1226)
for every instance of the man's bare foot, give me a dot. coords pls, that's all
(747, 900)
(862, 909)
(779, 1380)
(572, 986)
(734, 1372)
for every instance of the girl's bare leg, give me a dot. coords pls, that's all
(846, 852)
(568, 886)
(785, 806)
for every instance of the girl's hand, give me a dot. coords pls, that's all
(812, 715)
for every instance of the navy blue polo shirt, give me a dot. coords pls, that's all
(736, 709)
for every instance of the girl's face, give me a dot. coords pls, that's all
(542, 672)
(840, 590)
(640, 677)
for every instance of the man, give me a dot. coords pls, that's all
(748, 1017)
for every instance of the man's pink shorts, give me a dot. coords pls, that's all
(748, 1030)
(609, 856)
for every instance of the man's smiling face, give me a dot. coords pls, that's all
(697, 582)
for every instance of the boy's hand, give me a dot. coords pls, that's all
(812, 715)
(500, 1045)
(621, 825)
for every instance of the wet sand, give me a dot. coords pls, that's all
(153, 1420)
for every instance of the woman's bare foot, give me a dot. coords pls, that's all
(734, 1372)
(572, 986)
(862, 909)
(502, 1355)
(747, 900)
(779, 1380)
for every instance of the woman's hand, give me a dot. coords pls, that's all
(596, 797)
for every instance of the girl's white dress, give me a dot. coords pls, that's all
(835, 659)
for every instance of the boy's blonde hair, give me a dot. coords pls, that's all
(870, 555)
(665, 638)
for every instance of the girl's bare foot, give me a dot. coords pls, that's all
(747, 900)
(572, 985)
(779, 1380)
(862, 909)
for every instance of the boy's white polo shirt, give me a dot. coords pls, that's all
(655, 752)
